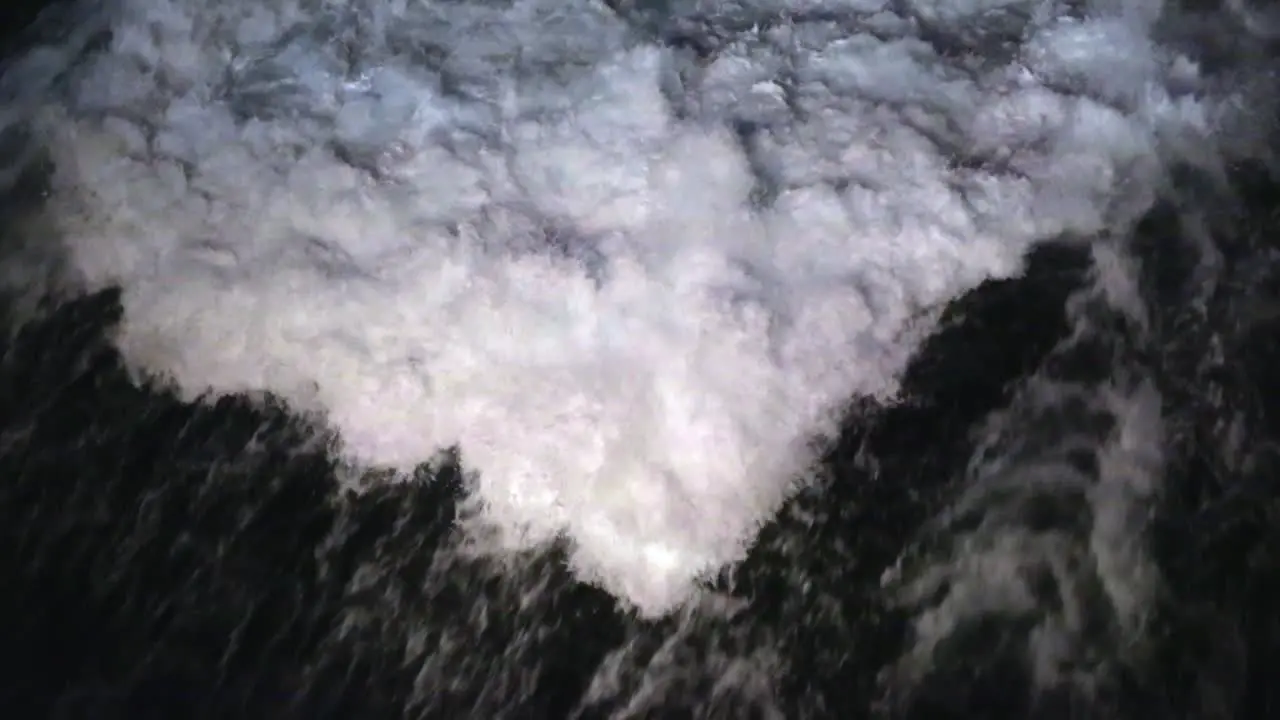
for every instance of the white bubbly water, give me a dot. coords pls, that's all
(527, 230)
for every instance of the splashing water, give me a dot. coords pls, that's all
(632, 263)
(634, 281)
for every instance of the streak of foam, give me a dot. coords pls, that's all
(635, 286)
(1046, 542)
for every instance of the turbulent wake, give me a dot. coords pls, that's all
(632, 265)
(634, 285)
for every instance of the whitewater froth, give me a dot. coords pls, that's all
(633, 286)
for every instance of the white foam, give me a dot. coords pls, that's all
(351, 205)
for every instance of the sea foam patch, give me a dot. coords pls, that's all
(633, 284)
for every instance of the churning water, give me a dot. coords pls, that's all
(557, 358)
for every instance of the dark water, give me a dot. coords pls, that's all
(161, 560)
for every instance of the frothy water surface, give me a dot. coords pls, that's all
(619, 287)
(633, 286)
